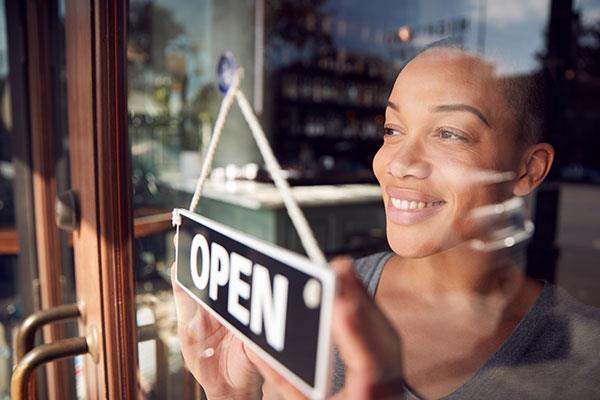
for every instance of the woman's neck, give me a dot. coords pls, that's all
(458, 271)
(462, 304)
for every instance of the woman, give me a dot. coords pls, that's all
(439, 318)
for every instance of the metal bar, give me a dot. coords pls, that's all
(31, 324)
(147, 332)
(42, 354)
(150, 332)
(162, 370)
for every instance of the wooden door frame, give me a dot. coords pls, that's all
(44, 140)
(100, 174)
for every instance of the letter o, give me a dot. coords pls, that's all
(200, 280)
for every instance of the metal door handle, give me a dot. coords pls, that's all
(31, 324)
(19, 383)
(30, 357)
(66, 209)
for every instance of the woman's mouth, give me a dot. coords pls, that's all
(414, 205)
(407, 206)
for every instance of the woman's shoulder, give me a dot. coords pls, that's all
(582, 320)
(369, 268)
(553, 353)
(559, 330)
(559, 326)
(564, 302)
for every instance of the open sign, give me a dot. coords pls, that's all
(277, 302)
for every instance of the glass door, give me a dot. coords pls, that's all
(87, 193)
(172, 103)
(99, 159)
(121, 101)
(34, 170)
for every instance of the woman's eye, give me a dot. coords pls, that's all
(388, 132)
(451, 135)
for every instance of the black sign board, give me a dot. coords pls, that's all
(278, 302)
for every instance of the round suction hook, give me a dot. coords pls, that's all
(226, 69)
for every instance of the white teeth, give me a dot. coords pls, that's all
(413, 205)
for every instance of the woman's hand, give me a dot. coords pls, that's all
(216, 358)
(368, 345)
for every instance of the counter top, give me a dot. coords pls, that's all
(256, 195)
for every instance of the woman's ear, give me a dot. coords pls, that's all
(535, 165)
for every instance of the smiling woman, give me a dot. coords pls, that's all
(449, 118)
(456, 153)
(448, 313)
(440, 317)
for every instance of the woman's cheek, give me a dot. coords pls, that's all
(379, 163)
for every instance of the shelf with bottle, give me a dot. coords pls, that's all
(343, 63)
(330, 112)
(350, 156)
(311, 90)
(333, 124)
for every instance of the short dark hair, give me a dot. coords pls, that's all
(525, 94)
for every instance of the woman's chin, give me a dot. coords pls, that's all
(409, 246)
(409, 249)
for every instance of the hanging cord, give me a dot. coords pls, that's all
(216, 136)
(306, 234)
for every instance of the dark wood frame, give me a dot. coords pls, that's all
(43, 161)
(115, 209)
(100, 172)
(100, 175)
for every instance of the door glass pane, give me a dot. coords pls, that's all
(319, 75)
(19, 283)
(172, 50)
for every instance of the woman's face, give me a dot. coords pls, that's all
(447, 127)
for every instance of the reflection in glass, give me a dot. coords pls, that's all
(329, 67)
(172, 99)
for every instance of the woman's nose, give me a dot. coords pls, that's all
(409, 161)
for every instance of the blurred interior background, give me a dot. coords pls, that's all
(318, 74)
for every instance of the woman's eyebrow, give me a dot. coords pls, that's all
(460, 107)
(393, 106)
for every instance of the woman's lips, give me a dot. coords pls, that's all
(407, 206)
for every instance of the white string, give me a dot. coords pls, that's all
(216, 136)
(304, 232)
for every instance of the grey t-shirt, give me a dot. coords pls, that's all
(553, 353)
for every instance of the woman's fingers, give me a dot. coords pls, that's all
(366, 341)
(272, 378)
(192, 320)
(350, 311)
(362, 332)
(185, 306)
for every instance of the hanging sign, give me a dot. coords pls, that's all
(277, 302)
